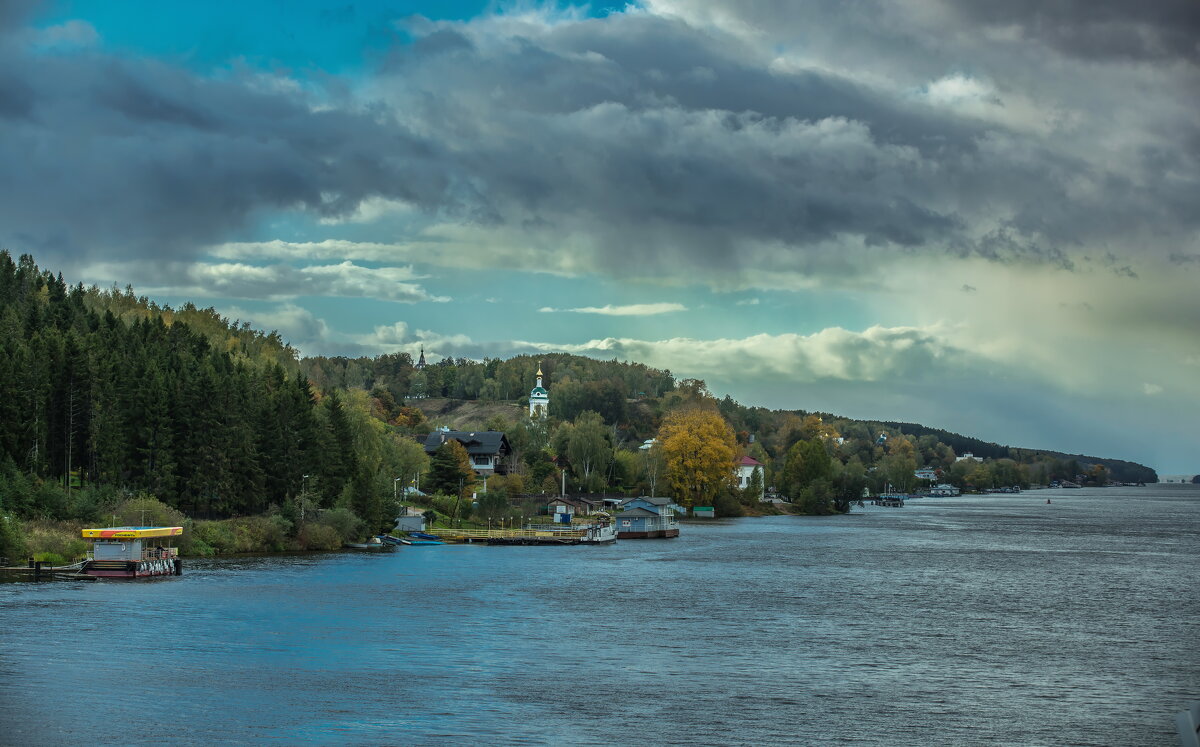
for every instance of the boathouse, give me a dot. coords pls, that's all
(645, 517)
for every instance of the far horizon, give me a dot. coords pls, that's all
(976, 220)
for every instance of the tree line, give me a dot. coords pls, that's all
(105, 395)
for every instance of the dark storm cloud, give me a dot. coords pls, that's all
(1098, 29)
(103, 155)
(644, 143)
(663, 141)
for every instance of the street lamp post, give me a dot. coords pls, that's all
(395, 489)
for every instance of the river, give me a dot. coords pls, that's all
(979, 619)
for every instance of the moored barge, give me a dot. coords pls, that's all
(647, 518)
(132, 552)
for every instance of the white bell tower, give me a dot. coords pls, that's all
(539, 398)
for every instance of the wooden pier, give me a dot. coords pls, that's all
(41, 571)
(509, 536)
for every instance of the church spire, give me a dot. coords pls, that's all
(539, 398)
(421, 360)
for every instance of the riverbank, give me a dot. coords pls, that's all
(280, 530)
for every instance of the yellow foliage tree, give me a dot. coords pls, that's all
(699, 449)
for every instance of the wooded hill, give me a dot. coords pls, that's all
(104, 393)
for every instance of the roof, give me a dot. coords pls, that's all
(635, 512)
(749, 462)
(132, 532)
(655, 501)
(577, 502)
(475, 442)
(538, 390)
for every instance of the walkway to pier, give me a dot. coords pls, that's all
(483, 535)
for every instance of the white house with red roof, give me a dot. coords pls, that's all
(745, 470)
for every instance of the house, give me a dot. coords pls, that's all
(645, 517)
(745, 470)
(967, 456)
(926, 474)
(412, 520)
(945, 490)
(487, 450)
(572, 507)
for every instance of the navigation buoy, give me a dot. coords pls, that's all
(1047, 500)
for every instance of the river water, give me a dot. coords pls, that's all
(996, 619)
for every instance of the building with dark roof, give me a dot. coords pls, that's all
(487, 450)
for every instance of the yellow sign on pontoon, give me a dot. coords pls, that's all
(131, 532)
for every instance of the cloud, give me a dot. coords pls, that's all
(636, 309)
(1151, 389)
(1097, 29)
(297, 326)
(273, 282)
(74, 33)
(874, 354)
(696, 137)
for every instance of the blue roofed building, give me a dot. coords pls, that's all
(646, 517)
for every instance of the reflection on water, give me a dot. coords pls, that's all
(957, 620)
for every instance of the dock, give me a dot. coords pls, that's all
(550, 535)
(466, 536)
(41, 571)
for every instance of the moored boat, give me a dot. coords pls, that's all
(374, 544)
(132, 552)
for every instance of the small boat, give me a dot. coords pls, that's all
(388, 539)
(424, 536)
(421, 542)
(374, 544)
(124, 552)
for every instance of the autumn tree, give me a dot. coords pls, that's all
(698, 449)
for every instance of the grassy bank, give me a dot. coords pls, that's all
(291, 528)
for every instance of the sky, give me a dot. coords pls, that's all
(978, 216)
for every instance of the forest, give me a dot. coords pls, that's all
(109, 400)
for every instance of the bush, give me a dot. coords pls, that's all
(12, 539)
(146, 510)
(57, 538)
(262, 533)
(217, 537)
(727, 504)
(319, 537)
(344, 521)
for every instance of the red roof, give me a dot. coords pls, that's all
(749, 462)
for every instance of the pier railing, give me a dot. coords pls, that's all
(474, 534)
